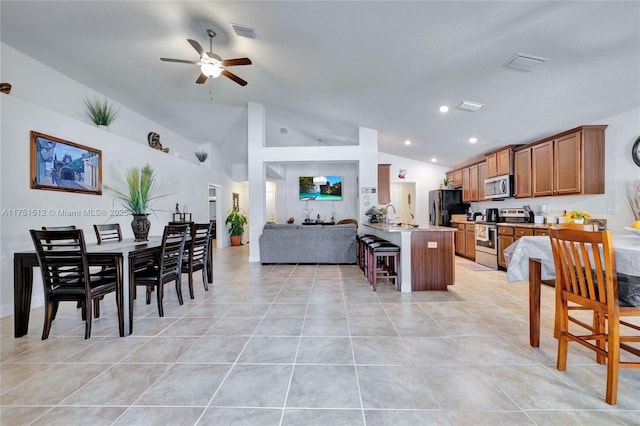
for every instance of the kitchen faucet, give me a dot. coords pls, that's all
(387, 208)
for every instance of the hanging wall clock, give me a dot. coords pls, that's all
(635, 152)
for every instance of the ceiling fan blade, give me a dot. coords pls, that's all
(201, 79)
(234, 77)
(182, 61)
(198, 48)
(238, 61)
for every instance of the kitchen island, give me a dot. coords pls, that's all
(426, 254)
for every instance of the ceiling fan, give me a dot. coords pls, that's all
(212, 65)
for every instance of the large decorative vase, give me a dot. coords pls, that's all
(236, 240)
(140, 226)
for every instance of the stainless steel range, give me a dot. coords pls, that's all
(487, 244)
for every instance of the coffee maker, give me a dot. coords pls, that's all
(492, 215)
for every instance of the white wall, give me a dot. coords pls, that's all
(621, 133)
(48, 102)
(426, 177)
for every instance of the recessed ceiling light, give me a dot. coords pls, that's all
(473, 140)
(470, 106)
(434, 160)
(407, 142)
(444, 109)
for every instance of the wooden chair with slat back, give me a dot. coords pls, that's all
(167, 267)
(196, 254)
(108, 232)
(586, 276)
(65, 276)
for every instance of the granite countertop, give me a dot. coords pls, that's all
(519, 225)
(403, 227)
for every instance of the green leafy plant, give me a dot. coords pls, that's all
(138, 193)
(202, 156)
(445, 182)
(102, 113)
(236, 221)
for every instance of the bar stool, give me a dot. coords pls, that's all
(363, 243)
(384, 257)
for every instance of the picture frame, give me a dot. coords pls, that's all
(61, 165)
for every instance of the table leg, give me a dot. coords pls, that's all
(535, 279)
(22, 289)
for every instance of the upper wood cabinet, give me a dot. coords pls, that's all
(522, 173)
(457, 178)
(569, 163)
(384, 183)
(482, 175)
(500, 163)
(470, 183)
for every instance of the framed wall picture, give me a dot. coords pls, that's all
(60, 165)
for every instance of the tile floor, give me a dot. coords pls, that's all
(309, 345)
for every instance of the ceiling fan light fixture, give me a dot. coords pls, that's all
(211, 70)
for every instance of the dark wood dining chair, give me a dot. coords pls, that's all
(64, 266)
(586, 277)
(196, 254)
(166, 268)
(108, 232)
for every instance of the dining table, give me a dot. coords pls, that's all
(531, 258)
(112, 252)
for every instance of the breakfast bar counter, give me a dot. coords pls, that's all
(427, 254)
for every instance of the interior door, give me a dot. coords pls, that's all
(271, 206)
(403, 199)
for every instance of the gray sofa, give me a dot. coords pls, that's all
(290, 243)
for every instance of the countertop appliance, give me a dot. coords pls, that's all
(499, 187)
(516, 215)
(443, 203)
(493, 215)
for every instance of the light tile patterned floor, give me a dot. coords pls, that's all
(309, 345)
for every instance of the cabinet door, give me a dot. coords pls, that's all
(492, 165)
(449, 176)
(466, 185)
(482, 175)
(384, 183)
(503, 162)
(522, 173)
(473, 183)
(504, 241)
(460, 241)
(470, 242)
(457, 178)
(567, 166)
(542, 165)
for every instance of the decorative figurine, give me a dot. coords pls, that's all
(153, 139)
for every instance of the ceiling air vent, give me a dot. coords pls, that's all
(470, 106)
(524, 62)
(243, 31)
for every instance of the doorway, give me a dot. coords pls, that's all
(403, 198)
(215, 213)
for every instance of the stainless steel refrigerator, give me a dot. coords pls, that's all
(443, 203)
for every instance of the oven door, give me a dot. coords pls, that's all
(486, 238)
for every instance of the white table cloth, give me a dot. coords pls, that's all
(627, 253)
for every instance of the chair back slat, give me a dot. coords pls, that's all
(173, 241)
(108, 232)
(198, 247)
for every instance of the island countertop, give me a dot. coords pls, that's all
(400, 227)
(427, 254)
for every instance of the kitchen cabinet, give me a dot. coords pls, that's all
(571, 162)
(457, 178)
(460, 239)
(499, 163)
(470, 243)
(482, 175)
(505, 239)
(384, 183)
(470, 183)
(522, 173)
(542, 169)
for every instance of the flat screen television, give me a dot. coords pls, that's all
(320, 188)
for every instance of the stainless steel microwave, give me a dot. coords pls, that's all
(499, 187)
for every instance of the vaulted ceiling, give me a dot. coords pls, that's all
(324, 68)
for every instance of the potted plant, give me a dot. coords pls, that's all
(137, 197)
(202, 156)
(102, 113)
(445, 183)
(236, 221)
